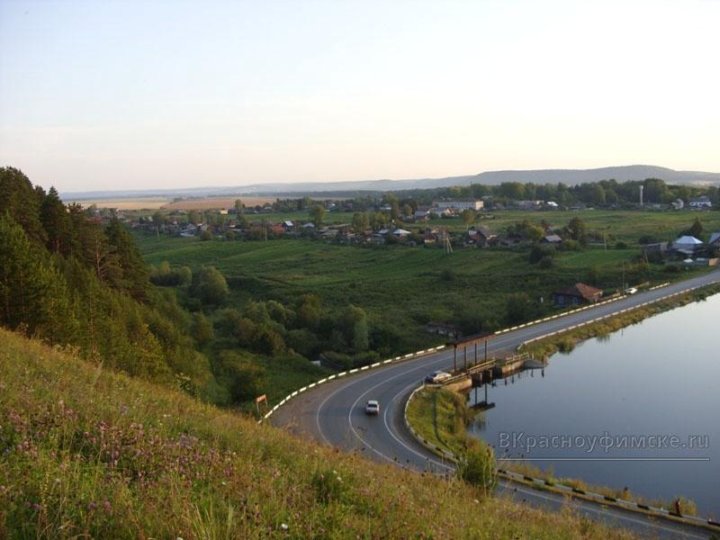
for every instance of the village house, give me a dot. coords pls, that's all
(421, 214)
(687, 245)
(656, 251)
(480, 236)
(442, 329)
(714, 240)
(551, 239)
(459, 205)
(580, 293)
(529, 205)
(700, 203)
(677, 204)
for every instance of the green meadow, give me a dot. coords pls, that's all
(402, 287)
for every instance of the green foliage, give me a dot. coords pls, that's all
(22, 203)
(33, 295)
(56, 222)
(134, 274)
(209, 286)
(360, 222)
(541, 251)
(267, 340)
(576, 229)
(476, 465)
(354, 325)
(696, 229)
(317, 213)
(244, 378)
(165, 276)
(202, 329)
(519, 308)
(304, 342)
(78, 284)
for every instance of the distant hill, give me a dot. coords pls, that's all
(540, 176)
(581, 176)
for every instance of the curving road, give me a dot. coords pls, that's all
(333, 413)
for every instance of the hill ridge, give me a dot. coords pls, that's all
(566, 176)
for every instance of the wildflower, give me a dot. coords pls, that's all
(284, 526)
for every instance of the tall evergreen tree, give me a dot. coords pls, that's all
(135, 276)
(22, 202)
(55, 221)
(33, 296)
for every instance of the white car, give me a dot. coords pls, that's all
(437, 377)
(630, 290)
(372, 407)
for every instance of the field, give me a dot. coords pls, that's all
(402, 288)
(216, 203)
(136, 203)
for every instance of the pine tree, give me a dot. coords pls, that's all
(135, 276)
(33, 294)
(20, 200)
(55, 221)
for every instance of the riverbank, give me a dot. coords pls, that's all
(439, 418)
(566, 341)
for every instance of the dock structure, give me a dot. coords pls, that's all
(510, 364)
(479, 369)
(471, 342)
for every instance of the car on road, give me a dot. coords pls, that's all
(630, 290)
(437, 377)
(372, 407)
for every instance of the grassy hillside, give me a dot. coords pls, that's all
(87, 452)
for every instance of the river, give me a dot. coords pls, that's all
(638, 409)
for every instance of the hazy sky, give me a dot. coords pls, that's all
(142, 94)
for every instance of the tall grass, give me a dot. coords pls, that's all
(89, 453)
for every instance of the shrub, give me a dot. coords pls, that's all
(477, 467)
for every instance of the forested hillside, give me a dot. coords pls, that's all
(71, 281)
(75, 278)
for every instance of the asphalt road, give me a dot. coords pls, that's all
(333, 413)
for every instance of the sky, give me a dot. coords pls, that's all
(116, 95)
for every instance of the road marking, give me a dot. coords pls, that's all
(354, 406)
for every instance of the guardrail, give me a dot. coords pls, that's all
(544, 484)
(449, 456)
(610, 315)
(573, 311)
(296, 393)
(442, 347)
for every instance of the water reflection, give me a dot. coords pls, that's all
(654, 382)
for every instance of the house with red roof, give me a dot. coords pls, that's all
(578, 294)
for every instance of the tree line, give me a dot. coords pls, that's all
(74, 280)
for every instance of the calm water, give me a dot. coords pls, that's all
(658, 382)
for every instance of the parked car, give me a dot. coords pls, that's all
(372, 407)
(437, 377)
